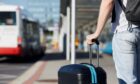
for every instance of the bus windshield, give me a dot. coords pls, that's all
(7, 18)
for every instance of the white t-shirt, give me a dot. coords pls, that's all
(121, 23)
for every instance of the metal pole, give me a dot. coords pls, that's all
(68, 34)
(73, 7)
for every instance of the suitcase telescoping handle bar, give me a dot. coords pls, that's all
(97, 52)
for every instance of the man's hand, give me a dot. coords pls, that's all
(104, 13)
(90, 38)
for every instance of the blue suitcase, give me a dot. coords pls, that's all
(84, 73)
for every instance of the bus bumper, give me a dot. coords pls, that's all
(11, 51)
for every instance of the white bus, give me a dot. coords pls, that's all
(19, 32)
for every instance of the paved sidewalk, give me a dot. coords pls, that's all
(45, 71)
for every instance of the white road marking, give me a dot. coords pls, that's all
(7, 76)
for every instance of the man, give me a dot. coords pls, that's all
(126, 45)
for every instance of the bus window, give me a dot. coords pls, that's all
(7, 18)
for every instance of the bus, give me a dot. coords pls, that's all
(19, 32)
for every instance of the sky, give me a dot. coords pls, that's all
(20, 2)
(25, 3)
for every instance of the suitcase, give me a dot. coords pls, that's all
(84, 73)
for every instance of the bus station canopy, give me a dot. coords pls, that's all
(86, 11)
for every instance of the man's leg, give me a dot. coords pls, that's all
(124, 55)
(138, 57)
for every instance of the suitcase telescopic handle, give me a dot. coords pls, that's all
(97, 52)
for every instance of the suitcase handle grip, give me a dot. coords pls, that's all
(97, 52)
(96, 41)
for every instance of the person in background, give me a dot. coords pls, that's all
(126, 42)
(9, 21)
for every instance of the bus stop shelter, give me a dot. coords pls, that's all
(82, 16)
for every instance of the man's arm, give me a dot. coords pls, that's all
(104, 13)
